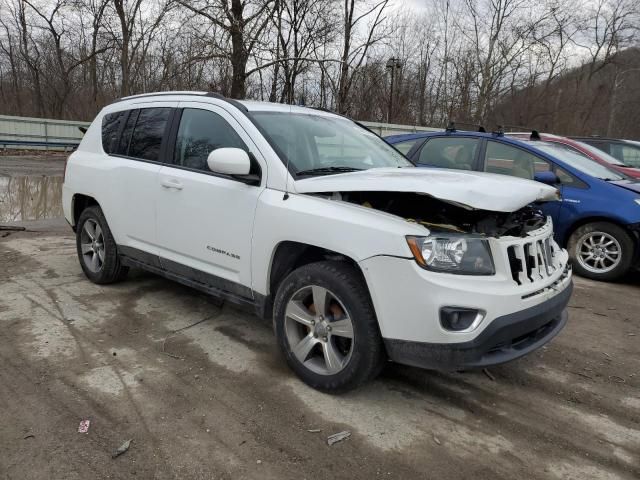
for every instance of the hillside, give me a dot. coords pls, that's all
(590, 100)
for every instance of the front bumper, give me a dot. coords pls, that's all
(504, 339)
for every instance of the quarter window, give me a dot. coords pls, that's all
(508, 160)
(200, 133)
(110, 129)
(148, 133)
(449, 152)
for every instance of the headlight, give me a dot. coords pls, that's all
(452, 254)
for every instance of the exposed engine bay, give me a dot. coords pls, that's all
(438, 215)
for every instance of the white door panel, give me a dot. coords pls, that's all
(136, 191)
(133, 182)
(205, 221)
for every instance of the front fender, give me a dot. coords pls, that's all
(351, 230)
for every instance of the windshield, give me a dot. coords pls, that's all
(578, 161)
(602, 154)
(319, 144)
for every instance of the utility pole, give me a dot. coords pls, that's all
(393, 64)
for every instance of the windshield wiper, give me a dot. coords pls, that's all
(327, 170)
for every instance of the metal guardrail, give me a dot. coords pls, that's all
(39, 133)
(45, 134)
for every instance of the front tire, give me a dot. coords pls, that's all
(601, 251)
(97, 249)
(326, 327)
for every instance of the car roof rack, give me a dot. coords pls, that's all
(162, 94)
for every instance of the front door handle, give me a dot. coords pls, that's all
(170, 183)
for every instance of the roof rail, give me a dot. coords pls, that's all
(158, 94)
(499, 132)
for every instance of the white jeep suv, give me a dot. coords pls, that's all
(312, 220)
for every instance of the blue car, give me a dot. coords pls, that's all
(598, 219)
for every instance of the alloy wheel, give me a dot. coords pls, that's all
(598, 252)
(319, 330)
(92, 245)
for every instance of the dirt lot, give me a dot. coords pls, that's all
(216, 401)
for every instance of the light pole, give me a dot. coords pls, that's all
(393, 64)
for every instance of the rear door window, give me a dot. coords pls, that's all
(148, 133)
(125, 138)
(111, 124)
(509, 160)
(450, 152)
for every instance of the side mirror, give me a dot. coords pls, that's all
(229, 161)
(548, 177)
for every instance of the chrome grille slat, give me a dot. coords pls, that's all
(536, 258)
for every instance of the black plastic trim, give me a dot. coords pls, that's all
(139, 255)
(205, 282)
(504, 339)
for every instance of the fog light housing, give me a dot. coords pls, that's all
(460, 319)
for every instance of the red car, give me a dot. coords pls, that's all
(584, 148)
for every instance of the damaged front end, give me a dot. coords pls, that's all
(457, 238)
(441, 216)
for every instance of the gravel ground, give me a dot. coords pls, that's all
(216, 400)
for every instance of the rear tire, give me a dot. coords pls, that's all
(601, 251)
(97, 249)
(336, 348)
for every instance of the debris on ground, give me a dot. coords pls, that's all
(122, 449)
(31, 435)
(314, 430)
(84, 426)
(437, 440)
(489, 374)
(338, 437)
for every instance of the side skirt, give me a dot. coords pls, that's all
(132, 257)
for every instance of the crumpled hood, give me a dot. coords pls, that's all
(472, 190)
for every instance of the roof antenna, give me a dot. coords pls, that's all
(481, 129)
(535, 135)
(451, 128)
(286, 180)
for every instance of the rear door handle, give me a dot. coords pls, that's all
(170, 183)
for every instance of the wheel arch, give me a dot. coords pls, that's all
(79, 203)
(580, 222)
(287, 256)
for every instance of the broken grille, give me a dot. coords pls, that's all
(532, 260)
